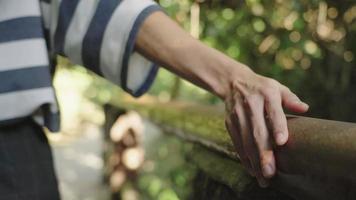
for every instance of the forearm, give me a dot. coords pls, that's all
(162, 40)
(248, 96)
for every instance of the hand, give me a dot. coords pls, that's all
(248, 96)
(253, 114)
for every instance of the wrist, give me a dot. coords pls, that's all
(210, 69)
(227, 75)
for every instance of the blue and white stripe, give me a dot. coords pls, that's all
(98, 34)
(26, 84)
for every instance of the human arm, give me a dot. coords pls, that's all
(248, 97)
(99, 35)
(93, 33)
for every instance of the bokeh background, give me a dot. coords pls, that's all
(308, 45)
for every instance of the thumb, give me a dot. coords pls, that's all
(292, 102)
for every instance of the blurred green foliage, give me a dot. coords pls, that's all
(310, 46)
(307, 45)
(165, 175)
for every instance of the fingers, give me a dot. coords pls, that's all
(277, 119)
(264, 156)
(231, 124)
(275, 113)
(248, 143)
(248, 128)
(292, 102)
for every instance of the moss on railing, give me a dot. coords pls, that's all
(222, 169)
(200, 124)
(317, 162)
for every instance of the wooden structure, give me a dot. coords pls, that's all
(317, 162)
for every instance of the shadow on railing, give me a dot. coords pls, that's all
(318, 162)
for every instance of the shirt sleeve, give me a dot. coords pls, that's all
(100, 35)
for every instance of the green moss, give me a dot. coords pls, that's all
(196, 121)
(222, 169)
(204, 124)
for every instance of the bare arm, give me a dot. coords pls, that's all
(247, 96)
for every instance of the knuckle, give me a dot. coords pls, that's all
(259, 146)
(272, 83)
(270, 87)
(267, 91)
(273, 115)
(252, 100)
(266, 157)
(259, 135)
(271, 97)
(261, 140)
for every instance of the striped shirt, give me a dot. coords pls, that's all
(97, 34)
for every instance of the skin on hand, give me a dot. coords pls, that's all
(254, 104)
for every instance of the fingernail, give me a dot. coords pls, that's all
(268, 171)
(280, 138)
(301, 103)
(305, 105)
